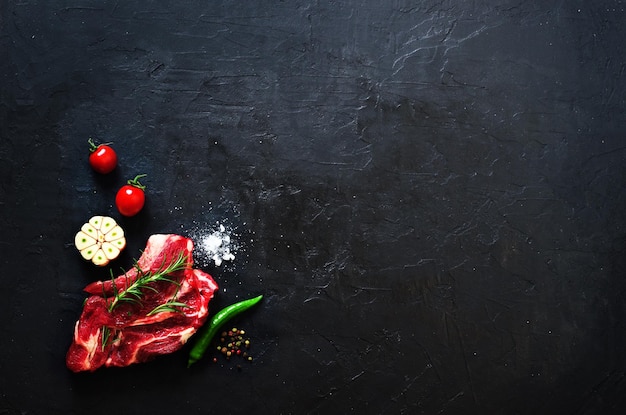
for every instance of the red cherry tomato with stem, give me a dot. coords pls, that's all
(102, 157)
(131, 197)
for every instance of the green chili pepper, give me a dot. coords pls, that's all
(216, 322)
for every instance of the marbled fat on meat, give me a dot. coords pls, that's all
(160, 249)
(131, 334)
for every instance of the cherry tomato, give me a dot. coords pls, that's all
(102, 157)
(131, 197)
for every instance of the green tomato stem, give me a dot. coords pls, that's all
(135, 182)
(92, 146)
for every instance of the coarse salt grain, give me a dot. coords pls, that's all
(217, 245)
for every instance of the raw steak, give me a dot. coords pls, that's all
(130, 333)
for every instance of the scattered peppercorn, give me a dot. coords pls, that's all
(233, 344)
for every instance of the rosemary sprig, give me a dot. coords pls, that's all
(170, 305)
(133, 292)
(106, 334)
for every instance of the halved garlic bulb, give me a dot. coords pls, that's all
(100, 240)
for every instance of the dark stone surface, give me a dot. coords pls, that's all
(430, 195)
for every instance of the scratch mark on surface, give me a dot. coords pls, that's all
(449, 401)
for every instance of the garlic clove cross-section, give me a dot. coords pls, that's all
(100, 240)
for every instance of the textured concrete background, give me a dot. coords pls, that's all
(429, 194)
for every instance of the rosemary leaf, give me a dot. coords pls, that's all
(106, 334)
(169, 306)
(134, 290)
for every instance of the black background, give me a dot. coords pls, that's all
(430, 195)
